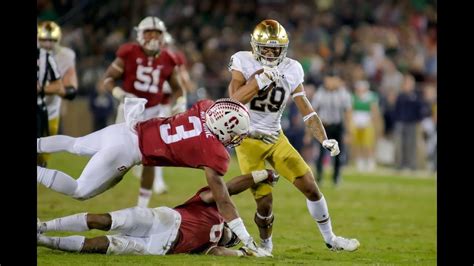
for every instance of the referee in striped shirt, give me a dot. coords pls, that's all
(333, 104)
(48, 82)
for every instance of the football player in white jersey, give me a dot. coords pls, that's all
(49, 36)
(264, 79)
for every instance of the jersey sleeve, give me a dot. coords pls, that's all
(235, 63)
(70, 58)
(296, 77)
(218, 159)
(123, 51)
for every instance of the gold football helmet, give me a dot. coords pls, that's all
(269, 34)
(49, 34)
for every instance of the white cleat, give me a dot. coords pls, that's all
(267, 245)
(341, 243)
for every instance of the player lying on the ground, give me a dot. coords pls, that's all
(193, 227)
(196, 138)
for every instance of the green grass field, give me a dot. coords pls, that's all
(393, 217)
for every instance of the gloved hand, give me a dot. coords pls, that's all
(268, 176)
(179, 106)
(268, 78)
(120, 94)
(272, 178)
(267, 137)
(332, 146)
(251, 249)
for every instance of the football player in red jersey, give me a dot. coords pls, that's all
(143, 68)
(192, 227)
(196, 138)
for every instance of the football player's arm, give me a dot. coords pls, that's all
(185, 78)
(70, 83)
(241, 90)
(243, 182)
(219, 191)
(312, 121)
(113, 73)
(55, 87)
(178, 92)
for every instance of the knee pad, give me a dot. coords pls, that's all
(264, 222)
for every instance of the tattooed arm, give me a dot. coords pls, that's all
(312, 121)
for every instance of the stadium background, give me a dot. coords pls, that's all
(378, 40)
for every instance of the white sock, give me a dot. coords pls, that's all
(55, 143)
(69, 243)
(267, 243)
(72, 223)
(159, 185)
(144, 197)
(360, 164)
(370, 164)
(319, 211)
(56, 180)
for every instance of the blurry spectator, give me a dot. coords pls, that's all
(408, 115)
(332, 102)
(429, 125)
(101, 105)
(365, 120)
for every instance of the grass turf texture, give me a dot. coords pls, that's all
(393, 217)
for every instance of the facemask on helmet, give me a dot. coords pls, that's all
(269, 34)
(150, 23)
(49, 35)
(229, 120)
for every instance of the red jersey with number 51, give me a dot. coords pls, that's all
(182, 140)
(144, 75)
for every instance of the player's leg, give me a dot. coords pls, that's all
(79, 222)
(105, 169)
(53, 124)
(159, 185)
(318, 209)
(251, 157)
(289, 164)
(146, 185)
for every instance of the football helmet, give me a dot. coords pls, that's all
(49, 34)
(269, 34)
(150, 23)
(229, 238)
(229, 120)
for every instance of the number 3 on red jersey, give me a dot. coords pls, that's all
(147, 79)
(180, 132)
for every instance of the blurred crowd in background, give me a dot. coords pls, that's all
(384, 53)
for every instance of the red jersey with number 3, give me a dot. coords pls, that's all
(182, 140)
(201, 225)
(144, 75)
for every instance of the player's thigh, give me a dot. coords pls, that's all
(368, 138)
(53, 124)
(135, 221)
(251, 155)
(287, 161)
(104, 170)
(106, 137)
(127, 245)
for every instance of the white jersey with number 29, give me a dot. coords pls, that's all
(266, 110)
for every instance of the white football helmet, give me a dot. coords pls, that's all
(229, 120)
(150, 23)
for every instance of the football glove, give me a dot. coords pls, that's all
(332, 146)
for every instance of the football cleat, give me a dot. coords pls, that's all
(341, 243)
